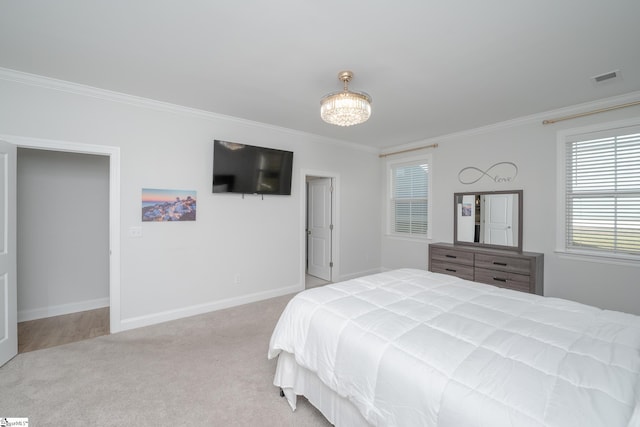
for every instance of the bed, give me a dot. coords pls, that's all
(414, 348)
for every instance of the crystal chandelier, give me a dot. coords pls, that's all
(345, 108)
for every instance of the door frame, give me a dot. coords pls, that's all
(335, 240)
(114, 206)
(8, 284)
(311, 181)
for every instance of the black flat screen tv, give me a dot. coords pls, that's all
(248, 169)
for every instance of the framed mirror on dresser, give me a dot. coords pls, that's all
(487, 243)
(491, 219)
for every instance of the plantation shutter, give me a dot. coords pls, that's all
(410, 199)
(603, 192)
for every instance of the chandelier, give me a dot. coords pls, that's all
(345, 108)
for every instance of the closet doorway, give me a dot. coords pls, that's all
(63, 247)
(113, 155)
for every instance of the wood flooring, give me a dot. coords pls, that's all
(53, 331)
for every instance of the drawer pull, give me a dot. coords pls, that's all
(450, 256)
(498, 279)
(504, 264)
(451, 270)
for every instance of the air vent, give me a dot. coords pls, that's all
(606, 76)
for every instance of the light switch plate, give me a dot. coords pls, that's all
(135, 232)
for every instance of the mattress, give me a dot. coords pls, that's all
(410, 347)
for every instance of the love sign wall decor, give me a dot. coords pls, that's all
(500, 173)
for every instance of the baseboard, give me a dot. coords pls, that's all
(59, 310)
(359, 274)
(194, 310)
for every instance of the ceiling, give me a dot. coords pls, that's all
(431, 67)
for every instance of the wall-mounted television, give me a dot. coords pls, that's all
(248, 169)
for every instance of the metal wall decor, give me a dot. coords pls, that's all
(501, 172)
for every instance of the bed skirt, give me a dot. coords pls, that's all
(294, 380)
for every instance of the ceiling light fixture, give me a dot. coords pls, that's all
(345, 108)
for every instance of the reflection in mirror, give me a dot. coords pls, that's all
(489, 219)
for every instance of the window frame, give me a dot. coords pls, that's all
(563, 138)
(408, 161)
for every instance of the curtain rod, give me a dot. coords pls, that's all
(588, 113)
(407, 150)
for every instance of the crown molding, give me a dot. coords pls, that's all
(137, 101)
(525, 120)
(50, 83)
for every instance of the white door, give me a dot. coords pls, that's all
(8, 287)
(319, 228)
(498, 215)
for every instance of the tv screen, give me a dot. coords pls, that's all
(247, 169)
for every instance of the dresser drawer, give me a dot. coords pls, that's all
(503, 279)
(452, 255)
(520, 271)
(503, 263)
(458, 270)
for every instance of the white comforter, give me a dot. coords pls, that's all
(414, 348)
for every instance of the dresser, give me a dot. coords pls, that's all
(520, 271)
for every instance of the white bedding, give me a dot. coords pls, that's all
(414, 348)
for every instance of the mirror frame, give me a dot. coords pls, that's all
(517, 248)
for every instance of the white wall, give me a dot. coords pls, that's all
(177, 269)
(532, 147)
(63, 233)
(183, 268)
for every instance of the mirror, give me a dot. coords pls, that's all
(490, 219)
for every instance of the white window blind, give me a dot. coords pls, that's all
(603, 192)
(409, 199)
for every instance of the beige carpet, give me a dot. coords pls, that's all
(207, 370)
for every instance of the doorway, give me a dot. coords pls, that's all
(62, 247)
(8, 311)
(113, 153)
(320, 229)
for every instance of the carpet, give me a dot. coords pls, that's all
(206, 370)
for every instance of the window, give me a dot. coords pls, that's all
(409, 198)
(602, 192)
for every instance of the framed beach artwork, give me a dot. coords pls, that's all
(161, 205)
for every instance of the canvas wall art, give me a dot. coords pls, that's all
(168, 205)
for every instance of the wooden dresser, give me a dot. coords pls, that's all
(521, 271)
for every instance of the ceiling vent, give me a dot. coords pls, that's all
(615, 74)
